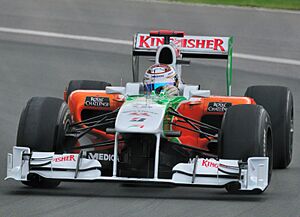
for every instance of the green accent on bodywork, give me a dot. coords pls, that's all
(130, 98)
(162, 99)
(174, 103)
(166, 101)
(175, 106)
(229, 66)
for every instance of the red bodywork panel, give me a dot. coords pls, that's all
(76, 104)
(198, 109)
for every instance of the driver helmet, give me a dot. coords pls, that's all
(158, 76)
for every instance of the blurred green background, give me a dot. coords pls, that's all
(276, 4)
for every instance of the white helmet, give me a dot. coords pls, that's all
(159, 76)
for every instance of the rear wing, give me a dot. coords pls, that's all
(190, 46)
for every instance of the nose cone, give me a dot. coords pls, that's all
(140, 116)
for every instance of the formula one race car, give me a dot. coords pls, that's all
(101, 132)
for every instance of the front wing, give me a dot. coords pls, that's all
(200, 171)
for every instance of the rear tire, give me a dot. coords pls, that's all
(85, 85)
(42, 127)
(278, 101)
(246, 132)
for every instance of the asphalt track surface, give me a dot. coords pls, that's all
(41, 66)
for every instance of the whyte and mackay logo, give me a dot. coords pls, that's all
(97, 101)
(218, 106)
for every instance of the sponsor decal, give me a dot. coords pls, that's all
(137, 119)
(218, 106)
(64, 158)
(158, 76)
(97, 101)
(208, 163)
(142, 106)
(101, 156)
(208, 43)
(139, 114)
(137, 126)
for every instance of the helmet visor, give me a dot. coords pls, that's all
(154, 86)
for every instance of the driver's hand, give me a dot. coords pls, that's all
(171, 90)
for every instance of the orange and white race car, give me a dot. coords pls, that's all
(100, 132)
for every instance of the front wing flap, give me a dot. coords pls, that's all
(199, 171)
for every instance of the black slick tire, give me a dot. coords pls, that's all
(85, 85)
(278, 101)
(42, 127)
(246, 132)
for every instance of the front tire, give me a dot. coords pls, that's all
(42, 127)
(246, 132)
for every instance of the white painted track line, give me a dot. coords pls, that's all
(126, 42)
(63, 36)
(267, 59)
